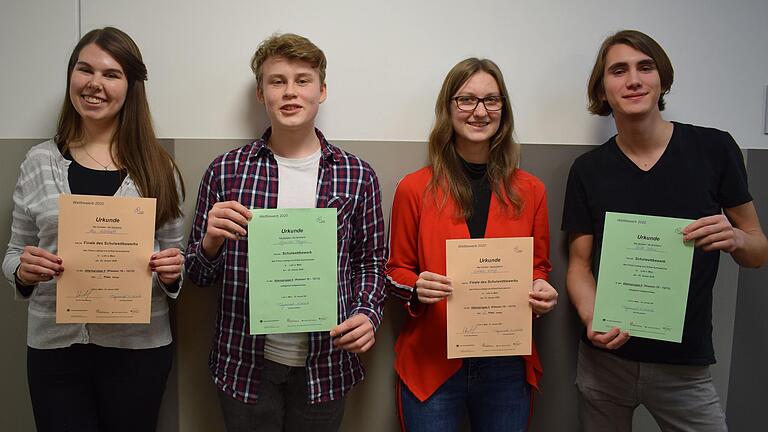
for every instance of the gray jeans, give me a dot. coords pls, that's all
(283, 405)
(679, 397)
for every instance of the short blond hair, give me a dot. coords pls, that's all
(289, 46)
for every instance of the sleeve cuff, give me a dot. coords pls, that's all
(205, 263)
(171, 290)
(414, 306)
(372, 316)
(22, 292)
(412, 303)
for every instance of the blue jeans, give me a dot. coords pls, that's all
(492, 390)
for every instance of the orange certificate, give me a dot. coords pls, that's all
(488, 313)
(105, 244)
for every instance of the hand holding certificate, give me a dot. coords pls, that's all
(488, 313)
(106, 244)
(292, 270)
(645, 270)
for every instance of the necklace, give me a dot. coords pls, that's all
(106, 167)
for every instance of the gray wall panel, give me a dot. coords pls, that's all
(14, 394)
(191, 403)
(557, 333)
(748, 374)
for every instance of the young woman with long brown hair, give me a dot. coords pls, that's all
(471, 188)
(91, 377)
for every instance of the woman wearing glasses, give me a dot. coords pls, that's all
(471, 188)
(96, 377)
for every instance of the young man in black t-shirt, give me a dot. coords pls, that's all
(660, 168)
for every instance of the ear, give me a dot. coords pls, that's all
(259, 93)
(323, 92)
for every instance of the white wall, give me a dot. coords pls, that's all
(36, 39)
(387, 61)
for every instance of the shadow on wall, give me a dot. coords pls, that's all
(255, 116)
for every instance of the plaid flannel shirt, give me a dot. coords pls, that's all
(249, 176)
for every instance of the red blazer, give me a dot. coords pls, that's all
(418, 231)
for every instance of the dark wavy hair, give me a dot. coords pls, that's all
(641, 42)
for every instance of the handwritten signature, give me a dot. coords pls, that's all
(470, 330)
(85, 293)
(292, 242)
(103, 231)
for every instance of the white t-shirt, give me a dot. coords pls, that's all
(297, 188)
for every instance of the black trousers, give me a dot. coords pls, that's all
(89, 388)
(282, 405)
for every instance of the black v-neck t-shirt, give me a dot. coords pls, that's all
(700, 173)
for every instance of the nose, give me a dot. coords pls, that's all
(480, 110)
(290, 90)
(633, 78)
(95, 82)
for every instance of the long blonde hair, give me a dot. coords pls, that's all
(504, 154)
(137, 148)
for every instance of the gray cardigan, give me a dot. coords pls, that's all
(42, 179)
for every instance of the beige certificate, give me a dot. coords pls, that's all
(105, 244)
(488, 313)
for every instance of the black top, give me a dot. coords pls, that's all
(481, 198)
(87, 181)
(700, 173)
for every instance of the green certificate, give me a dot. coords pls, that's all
(645, 270)
(292, 270)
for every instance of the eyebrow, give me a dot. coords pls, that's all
(492, 94)
(111, 70)
(644, 62)
(617, 65)
(279, 75)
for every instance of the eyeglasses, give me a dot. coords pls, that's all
(469, 103)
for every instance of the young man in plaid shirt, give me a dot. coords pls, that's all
(288, 381)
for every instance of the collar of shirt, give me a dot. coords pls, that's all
(330, 153)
